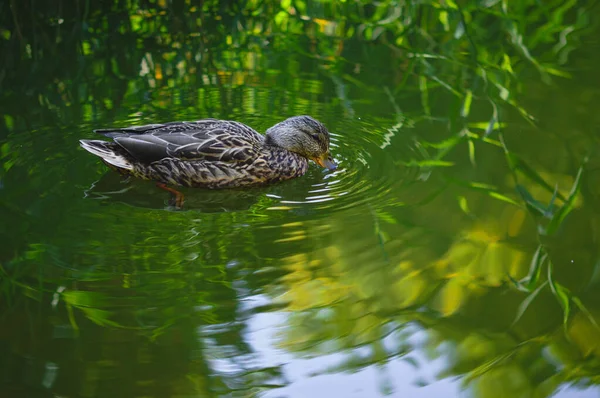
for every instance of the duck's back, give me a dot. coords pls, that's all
(207, 139)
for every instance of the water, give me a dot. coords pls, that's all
(453, 252)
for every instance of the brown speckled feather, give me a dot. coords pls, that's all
(207, 153)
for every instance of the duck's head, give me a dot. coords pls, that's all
(305, 136)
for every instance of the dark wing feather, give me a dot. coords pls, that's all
(143, 150)
(207, 139)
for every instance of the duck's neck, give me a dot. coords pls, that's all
(270, 141)
(286, 164)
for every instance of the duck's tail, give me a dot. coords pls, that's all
(106, 150)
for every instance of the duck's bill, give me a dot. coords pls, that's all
(326, 162)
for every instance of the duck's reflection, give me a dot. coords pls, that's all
(112, 187)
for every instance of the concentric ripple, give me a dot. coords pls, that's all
(371, 170)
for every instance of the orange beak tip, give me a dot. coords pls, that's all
(326, 162)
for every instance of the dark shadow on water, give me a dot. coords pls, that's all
(114, 188)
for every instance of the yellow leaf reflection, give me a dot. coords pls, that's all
(480, 259)
(585, 334)
(483, 255)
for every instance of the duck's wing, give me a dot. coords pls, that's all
(208, 139)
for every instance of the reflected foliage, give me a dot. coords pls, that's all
(465, 209)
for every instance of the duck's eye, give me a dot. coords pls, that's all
(315, 136)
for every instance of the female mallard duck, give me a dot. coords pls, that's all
(213, 153)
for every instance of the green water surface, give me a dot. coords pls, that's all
(455, 251)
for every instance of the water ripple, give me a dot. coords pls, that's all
(370, 171)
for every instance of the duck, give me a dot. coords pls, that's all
(213, 153)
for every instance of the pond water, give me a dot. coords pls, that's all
(453, 253)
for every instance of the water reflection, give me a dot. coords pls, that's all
(111, 187)
(361, 302)
(453, 252)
